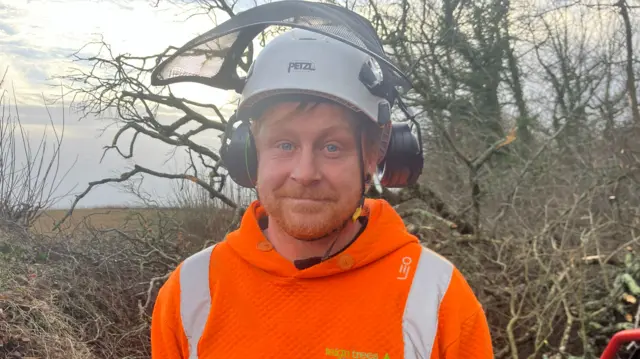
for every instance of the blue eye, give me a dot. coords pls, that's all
(332, 148)
(286, 146)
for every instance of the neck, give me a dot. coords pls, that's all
(294, 249)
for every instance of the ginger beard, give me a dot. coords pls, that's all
(309, 213)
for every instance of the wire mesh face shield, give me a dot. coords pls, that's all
(213, 57)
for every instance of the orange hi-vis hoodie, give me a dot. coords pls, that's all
(383, 297)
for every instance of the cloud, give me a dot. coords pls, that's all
(37, 41)
(7, 30)
(40, 36)
(82, 158)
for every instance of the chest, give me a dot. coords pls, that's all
(358, 315)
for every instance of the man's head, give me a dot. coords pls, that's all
(332, 55)
(319, 130)
(312, 158)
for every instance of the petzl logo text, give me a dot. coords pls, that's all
(301, 66)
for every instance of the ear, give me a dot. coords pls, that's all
(253, 128)
(371, 162)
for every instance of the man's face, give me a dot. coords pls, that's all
(308, 172)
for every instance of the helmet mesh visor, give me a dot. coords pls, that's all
(203, 58)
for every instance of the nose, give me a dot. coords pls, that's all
(305, 170)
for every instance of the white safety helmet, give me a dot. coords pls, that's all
(305, 62)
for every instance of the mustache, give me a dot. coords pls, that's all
(305, 193)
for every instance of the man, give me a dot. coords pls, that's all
(315, 270)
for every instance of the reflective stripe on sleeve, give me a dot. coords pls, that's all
(195, 297)
(420, 321)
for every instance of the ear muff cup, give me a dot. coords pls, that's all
(403, 161)
(239, 155)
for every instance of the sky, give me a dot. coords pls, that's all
(37, 39)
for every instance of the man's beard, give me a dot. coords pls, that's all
(307, 220)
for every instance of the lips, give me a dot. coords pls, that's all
(306, 200)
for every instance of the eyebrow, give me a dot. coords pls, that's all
(335, 128)
(279, 129)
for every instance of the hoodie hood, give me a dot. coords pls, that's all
(385, 233)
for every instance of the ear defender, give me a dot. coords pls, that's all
(238, 153)
(403, 161)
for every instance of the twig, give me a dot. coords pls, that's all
(139, 169)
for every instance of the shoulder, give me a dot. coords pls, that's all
(433, 276)
(188, 281)
(439, 302)
(438, 284)
(183, 301)
(196, 266)
(180, 307)
(447, 310)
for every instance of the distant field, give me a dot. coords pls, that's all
(94, 217)
(203, 221)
